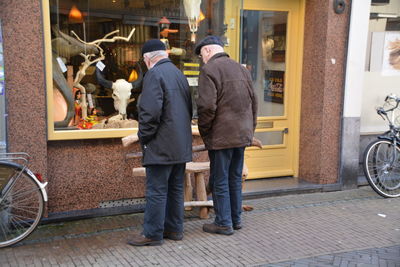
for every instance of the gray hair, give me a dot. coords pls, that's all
(216, 48)
(154, 54)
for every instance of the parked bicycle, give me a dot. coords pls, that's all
(382, 156)
(22, 198)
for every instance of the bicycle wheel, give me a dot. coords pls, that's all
(381, 169)
(22, 207)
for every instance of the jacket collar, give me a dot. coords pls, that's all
(222, 54)
(162, 61)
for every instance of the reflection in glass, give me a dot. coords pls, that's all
(263, 52)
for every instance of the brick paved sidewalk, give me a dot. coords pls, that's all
(297, 230)
(388, 256)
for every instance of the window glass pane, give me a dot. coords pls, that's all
(263, 42)
(177, 23)
(393, 24)
(270, 138)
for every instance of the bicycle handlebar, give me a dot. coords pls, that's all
(15, 156)
(381, 111)
(384, 113)
(394, 97)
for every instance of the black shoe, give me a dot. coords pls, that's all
(173, 235)
(140, 240)
(237, 226)
(215, 229)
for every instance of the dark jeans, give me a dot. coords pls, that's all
(164, 200)
(226, 166)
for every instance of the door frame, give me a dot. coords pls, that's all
(294, 61)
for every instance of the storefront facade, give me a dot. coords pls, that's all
(381, 73)
(294, 49)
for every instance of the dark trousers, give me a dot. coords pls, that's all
(226, 166)
(164, 200)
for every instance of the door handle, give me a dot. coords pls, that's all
(285, 131)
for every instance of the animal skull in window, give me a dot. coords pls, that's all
(122, 90)
(192, 10)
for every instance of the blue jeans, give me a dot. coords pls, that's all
(226, 166)
(164, 200)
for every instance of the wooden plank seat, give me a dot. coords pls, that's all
(140, 171)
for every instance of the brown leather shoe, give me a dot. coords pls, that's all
(173, 235)
(140, 240)
(215, 229)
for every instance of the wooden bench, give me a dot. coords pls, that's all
(198, 169)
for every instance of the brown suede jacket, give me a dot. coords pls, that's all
(227, 104)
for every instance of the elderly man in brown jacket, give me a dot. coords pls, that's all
(227, 110)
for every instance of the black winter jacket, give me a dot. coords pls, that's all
(165, 113)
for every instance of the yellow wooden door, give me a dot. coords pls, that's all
(271, 39)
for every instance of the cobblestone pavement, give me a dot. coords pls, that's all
(345, 228)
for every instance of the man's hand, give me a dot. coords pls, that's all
(256, 142)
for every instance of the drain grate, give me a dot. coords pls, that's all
(122, 202)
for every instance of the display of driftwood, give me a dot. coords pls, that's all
(66, 46)
(93, 58)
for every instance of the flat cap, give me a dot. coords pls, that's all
(152, 45)
(209, 40)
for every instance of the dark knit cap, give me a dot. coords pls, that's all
(152, 45)
(209, 40)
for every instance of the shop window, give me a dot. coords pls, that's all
(393, 24)
(90, 61)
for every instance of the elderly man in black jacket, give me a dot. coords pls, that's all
(227, 110)
(165, 113)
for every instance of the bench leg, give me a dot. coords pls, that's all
(201, 194)
(188, 195)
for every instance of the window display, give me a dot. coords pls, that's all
(97, 70)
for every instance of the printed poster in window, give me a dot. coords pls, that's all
(391, 54)
(274, 86)
(2, 84)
